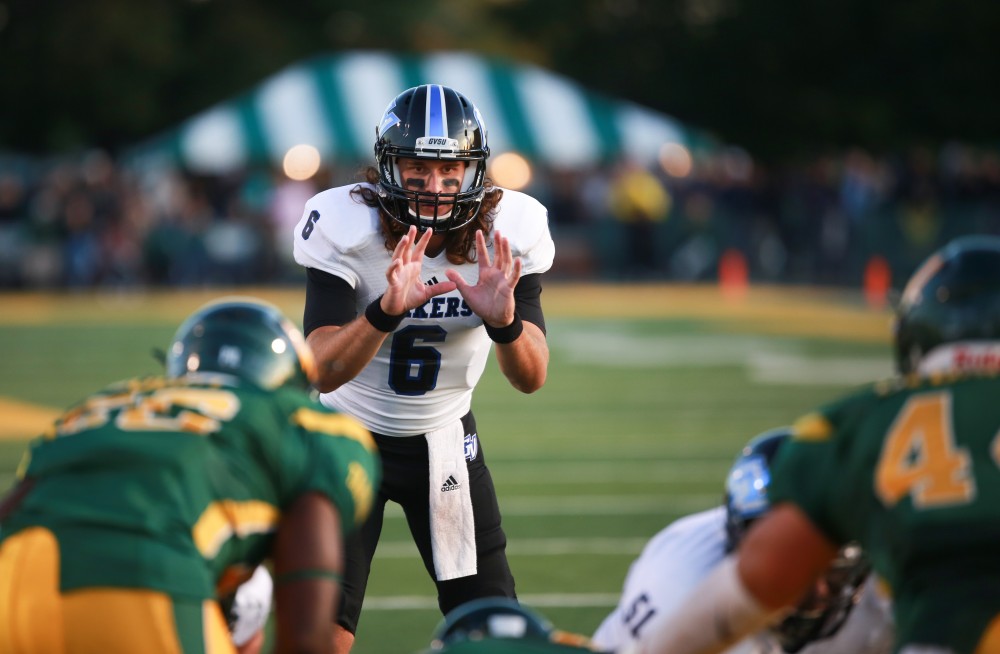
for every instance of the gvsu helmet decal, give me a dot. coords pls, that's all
(747, 486)
(747, 482)
(388, 120)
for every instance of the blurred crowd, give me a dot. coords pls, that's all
(94, 222)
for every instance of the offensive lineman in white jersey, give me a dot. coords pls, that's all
(845, 613)
(412, 277)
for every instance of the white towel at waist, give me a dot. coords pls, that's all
(453, 531)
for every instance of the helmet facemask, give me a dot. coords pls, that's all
(822, 612)
(440, 212)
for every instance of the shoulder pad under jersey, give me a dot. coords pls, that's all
(334, 226)
(524, 221)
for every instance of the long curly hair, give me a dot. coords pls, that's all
(459, 244)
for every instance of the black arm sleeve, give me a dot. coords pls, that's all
(330, 300)
(528, 299)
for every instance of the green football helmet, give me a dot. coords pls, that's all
(246, 338)
(953, 296)
(491, 617)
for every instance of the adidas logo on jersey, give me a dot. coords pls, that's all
(450, 484)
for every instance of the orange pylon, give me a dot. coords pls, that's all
(734, 277)
(878, 279)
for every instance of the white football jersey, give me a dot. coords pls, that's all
(440, 349)
(680, 556)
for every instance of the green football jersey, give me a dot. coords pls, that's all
(178, 485)
(909, 468)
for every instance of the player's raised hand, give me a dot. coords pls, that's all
(406, 289)
(492, 297)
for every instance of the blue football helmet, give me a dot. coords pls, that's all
(827, 606)
(431, 122)
(747, 482)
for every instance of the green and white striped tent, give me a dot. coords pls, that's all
(333, 102)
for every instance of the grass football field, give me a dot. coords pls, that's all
(651, 392)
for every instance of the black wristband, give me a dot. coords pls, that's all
(379, 319)
(506, 334)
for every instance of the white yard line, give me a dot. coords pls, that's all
(569, 600)
(677, 449)
(535, 547)
(570, 472)
(767, 359)
(596, 505)
(606, 504)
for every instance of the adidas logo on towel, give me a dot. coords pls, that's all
(450, 484)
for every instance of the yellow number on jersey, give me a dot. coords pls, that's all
(920, 459)
(202, 410)
(207, 408)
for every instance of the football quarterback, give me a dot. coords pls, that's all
(413, 276)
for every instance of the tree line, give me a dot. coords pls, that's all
(783, 78)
